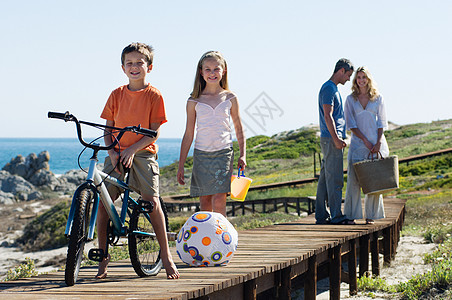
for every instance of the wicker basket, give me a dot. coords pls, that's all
(378, 176)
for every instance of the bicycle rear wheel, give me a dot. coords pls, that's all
(144, 248)
(78, 235)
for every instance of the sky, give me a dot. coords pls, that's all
(65, 56)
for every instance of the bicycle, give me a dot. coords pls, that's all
(143, 246)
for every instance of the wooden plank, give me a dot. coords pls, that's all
(295, 249)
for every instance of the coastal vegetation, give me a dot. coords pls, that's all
(425, 184)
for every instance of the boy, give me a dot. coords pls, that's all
(137, 103)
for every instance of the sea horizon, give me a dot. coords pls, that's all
(64, 151)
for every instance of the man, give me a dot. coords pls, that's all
(332, 135)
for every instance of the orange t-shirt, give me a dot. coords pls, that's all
(133, 108)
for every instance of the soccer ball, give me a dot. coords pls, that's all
(206, 239)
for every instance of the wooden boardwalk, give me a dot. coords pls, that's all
(268, 264)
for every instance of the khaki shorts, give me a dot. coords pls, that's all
(143, 176)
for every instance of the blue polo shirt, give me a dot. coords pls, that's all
(329, 94)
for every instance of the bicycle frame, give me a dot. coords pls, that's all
(95, 181)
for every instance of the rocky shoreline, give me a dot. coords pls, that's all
(27, 188)
(27, 178)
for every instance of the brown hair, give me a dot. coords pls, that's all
(200, 83)
(142, 48)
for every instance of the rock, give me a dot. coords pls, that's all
(76, 177)
(69, 181)
(44, 177)
(35, 195)
(7, 198)
(14, 184)
(34, 168)
(17, 186)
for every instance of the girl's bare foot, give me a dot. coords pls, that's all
(102, 271)
(171, 270)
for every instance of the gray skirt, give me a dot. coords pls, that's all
(212, 172)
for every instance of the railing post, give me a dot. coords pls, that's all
(298, 207)
(286, 286)
(310, 284)
(387, 249)
(353, 285)
(314, 164)
(250, 290)
(375, 254)
(335, 272)
(363, 255)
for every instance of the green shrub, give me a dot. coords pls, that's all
(24, 270)
(375, 284)
(47, 230)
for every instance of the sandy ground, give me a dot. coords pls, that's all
(407, 263)
(14, 217)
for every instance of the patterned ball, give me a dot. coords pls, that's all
(206, 239)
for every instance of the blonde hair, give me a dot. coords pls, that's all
(372, 91)
(200, 83)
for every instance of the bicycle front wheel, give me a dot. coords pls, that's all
(144, 248)
(78, 235)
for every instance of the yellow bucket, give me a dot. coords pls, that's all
(239, 186)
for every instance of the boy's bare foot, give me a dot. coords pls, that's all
(171, 270)
(102, 271)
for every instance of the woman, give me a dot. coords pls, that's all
(365, 116)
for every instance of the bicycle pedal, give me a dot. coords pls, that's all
(146, 206)
(171, 236)
(96, 254)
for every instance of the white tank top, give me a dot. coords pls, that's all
(213, 126)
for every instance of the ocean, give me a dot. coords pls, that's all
(64, 152)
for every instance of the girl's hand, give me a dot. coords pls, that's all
(180, 176)
(241, 163)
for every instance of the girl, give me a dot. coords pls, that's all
(211, 106)
(365, 116)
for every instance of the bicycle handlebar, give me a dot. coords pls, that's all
(68, 117)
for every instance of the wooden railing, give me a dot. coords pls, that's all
(295, 183)
(297, 205)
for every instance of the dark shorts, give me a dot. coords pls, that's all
(212, 172)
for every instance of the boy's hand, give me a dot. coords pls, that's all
(114, 157)
(127, 157)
